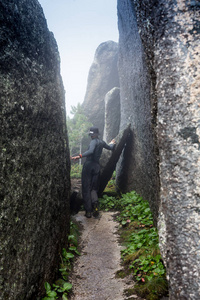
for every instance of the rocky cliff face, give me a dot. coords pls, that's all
(138, 168)
(169, 31)
(112, 114)
(34, 168)
(177, 70)
(103, 76)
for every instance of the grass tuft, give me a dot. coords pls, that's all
(129, 258)
(121, 274)
(152, 289)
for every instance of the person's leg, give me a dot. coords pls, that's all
(86, 188)
(94, 189)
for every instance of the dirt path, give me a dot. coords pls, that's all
(94, 271)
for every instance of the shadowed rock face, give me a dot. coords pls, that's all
(108, 160)
(34, 176)
(138, 168)
(170, 36)
(103, 76)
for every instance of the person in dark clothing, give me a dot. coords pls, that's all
(91, 171)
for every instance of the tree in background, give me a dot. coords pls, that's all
(78, 127)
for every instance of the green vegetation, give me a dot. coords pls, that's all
(141, 256)
(78, 128)
(111, 186)
(76, 170)
(61, 288)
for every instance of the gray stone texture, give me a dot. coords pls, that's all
(34, 177)
(170, 34)
(108, 160)
(138, 167)
(177, 65)
(103, 76)
(112, 114)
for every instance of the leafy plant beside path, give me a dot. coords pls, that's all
(141, 255)
(61, 288)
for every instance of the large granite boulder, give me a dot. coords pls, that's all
(178, 90)
(34, 177)
(103, 76)
(169, 31)
(112, 114)
(138, 167)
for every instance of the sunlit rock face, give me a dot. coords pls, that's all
(170, 35)
(34, 176)
(138, 168)
(103, 76)
(112, 114)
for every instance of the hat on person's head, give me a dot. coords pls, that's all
(94, 130)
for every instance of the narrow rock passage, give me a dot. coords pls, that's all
(94, 271)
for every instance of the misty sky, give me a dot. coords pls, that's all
(79, 27)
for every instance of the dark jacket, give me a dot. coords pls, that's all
(95, 149)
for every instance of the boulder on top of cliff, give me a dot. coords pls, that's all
(34, 176)
(112, 114)
(103, 76)
(108, 160)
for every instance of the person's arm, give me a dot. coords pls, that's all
(110, 146)
(88, 152)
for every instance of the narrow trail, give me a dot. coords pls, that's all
(94, 276)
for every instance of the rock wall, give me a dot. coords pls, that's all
(34, 175)
(177, 65)
(103, 76)
(112, 114)
(138, 168)
(169, 31)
